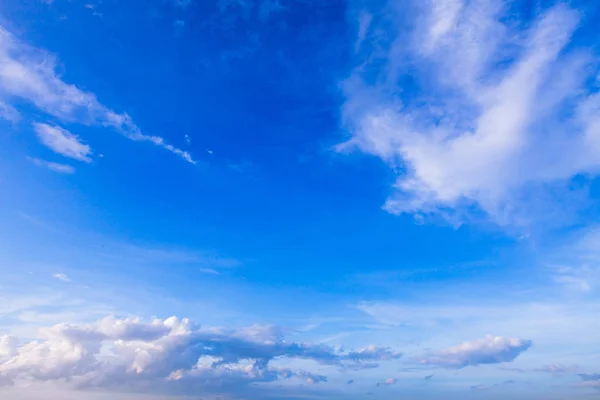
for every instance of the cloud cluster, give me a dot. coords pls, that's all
(171, 355)
(29, 74)
(489, 350)
(473, 110)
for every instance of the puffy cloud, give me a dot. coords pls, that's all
(172, 355)
(489, 350)
(473, 111)
(28, 73)
(8, 346)
(62, 142)
(56, 167)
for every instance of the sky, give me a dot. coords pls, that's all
(295, 199)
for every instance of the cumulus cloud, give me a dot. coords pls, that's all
(471, 110)
(62, 142)
(489, 350)
(29, 74)
(56, 167)
(8, 346)
(171, 354)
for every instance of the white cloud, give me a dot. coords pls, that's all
(29, 73)
(8, 112)
(60, 168)
(61, 277)
(576, 265)
(62, 142)
(182, 3)
(209, 271)
(172, 354)
(8, 347)
(496, 119)
(364, 20)
(547, 324)
(489, 350)
(573, 282)
(558, 369)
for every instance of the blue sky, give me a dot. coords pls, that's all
(243, 199)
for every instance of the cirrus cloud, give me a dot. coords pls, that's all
(56, 167)
(473, 111)
(29, 74)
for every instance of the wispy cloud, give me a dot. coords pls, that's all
(62, 142)
(558, 369)
(28, 73)
(62, 277)
(209, 271)
(182, 3)
(56, 167)
(576, 264)
(8, 112)
(496, 116)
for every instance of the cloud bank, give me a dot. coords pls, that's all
(166, 355)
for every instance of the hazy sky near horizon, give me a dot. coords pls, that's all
(268, 199)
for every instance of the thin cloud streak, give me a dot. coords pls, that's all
(29, 73)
